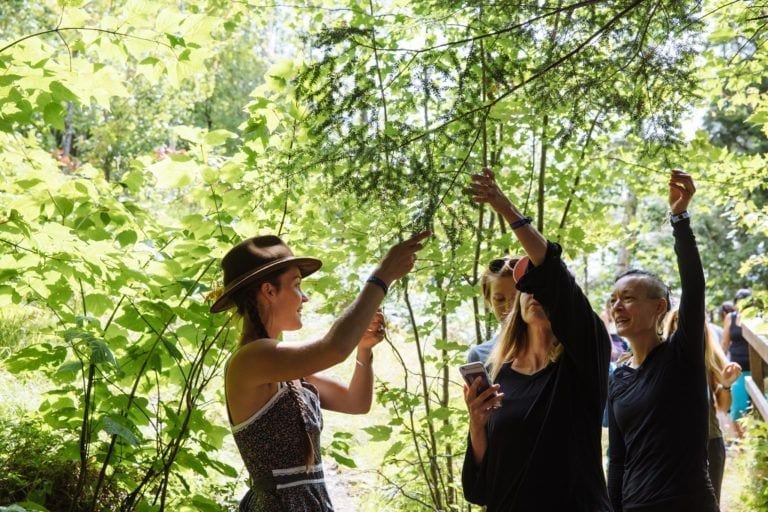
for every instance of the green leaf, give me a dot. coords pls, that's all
(100, 353)
(127, 237)
(175, 40)
(113, 427)
(343, 460)
(53, 114)
(97, 303)
(758, 118)
(440, 413)
(70, 367)
(379, 432)
(218, 137)
(62, 93)
(34, 357)
(6, 80)
(205, 504)
(395, 449)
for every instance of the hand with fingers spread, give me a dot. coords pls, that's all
(400, 259)
(681, 190)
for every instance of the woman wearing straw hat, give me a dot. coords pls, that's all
(272, 389)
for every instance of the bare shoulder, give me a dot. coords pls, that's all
(247, 359)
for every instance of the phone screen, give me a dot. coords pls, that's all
(484, 384)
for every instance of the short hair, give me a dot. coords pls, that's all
(655, 286)
(742, 294)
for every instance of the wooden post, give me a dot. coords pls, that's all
(758, 355)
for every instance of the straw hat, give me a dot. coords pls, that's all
(254, 258)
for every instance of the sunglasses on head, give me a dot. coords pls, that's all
(497, 265)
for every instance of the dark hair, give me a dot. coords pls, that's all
(245, 301)
(742, 294)
(726, 307)
(655, 286)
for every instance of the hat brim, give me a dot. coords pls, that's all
(520, 268)
(306, 266)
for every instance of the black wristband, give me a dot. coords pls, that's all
(378, 282)
(521, 222)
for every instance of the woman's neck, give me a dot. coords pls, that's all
(250, 334)
(541, 339)
(642, 345)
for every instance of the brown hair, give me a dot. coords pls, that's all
(513, 339)
(247, 305)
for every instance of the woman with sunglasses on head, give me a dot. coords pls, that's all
(273, 390)
(534, 436)
(657, 399)
(499, 292)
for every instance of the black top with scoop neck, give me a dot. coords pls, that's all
(658, 412)
(544, 451)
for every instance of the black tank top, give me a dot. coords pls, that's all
(739, 347)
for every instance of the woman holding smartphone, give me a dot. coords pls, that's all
(534, 436)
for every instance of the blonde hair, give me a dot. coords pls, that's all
(714, 357)
(513, 339)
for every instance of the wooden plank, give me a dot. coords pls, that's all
(757, 342)
(758, 398)
(758, 352)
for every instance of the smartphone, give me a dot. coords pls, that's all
(475, 370)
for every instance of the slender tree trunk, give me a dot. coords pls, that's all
(542, 170)
(630, 212)
(69, 132)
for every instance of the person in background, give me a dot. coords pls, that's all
(657, 398)
(737, 348)
(721, 375)
(619, 347)
(273, 390)
(499, 292)
(618, 344)
(535, 446)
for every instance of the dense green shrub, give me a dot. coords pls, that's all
(34, 467)
(19, 327)
(755, 495)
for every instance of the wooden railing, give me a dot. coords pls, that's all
(758, 357)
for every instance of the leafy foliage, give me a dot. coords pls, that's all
(120, 192)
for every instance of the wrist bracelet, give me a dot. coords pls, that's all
(521, 222)
(370, 360)
(378, 282)
(680, 216)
